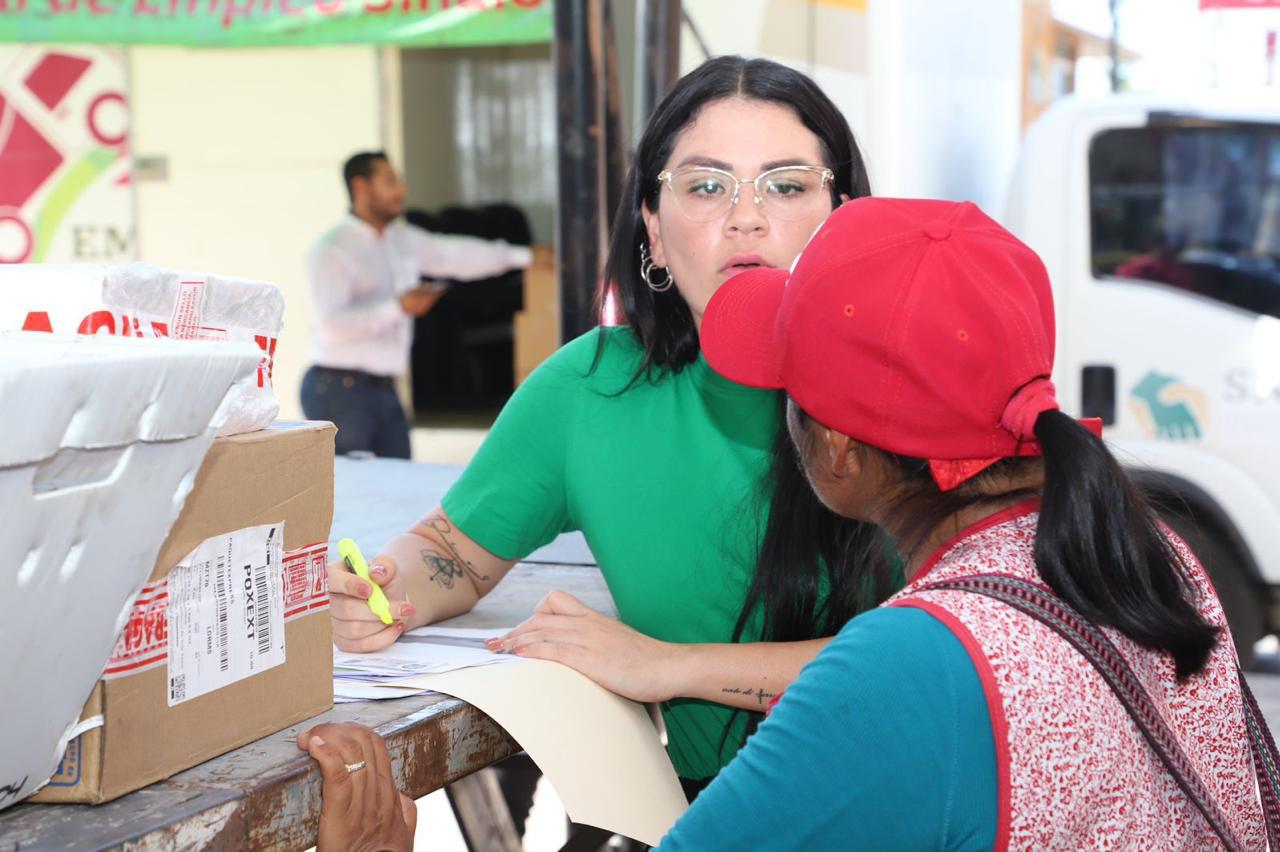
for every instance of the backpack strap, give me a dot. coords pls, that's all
(1266, 763)
(1042, 604)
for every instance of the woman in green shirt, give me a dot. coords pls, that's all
(728, 575)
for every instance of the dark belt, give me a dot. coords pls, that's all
(351, 378)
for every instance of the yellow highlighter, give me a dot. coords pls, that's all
(354, 559)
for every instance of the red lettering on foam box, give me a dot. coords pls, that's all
(325, 7)
(37, 320)
(142, 7)
(101, 320)
(97, 321)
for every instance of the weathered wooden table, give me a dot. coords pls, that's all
(266, 795)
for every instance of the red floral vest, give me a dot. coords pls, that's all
(1072, 769)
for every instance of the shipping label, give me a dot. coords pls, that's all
(226, 612)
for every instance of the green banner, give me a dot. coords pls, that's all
(262, 23)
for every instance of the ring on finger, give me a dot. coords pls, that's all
(355, 767)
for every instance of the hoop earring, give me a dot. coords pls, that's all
(647, 266)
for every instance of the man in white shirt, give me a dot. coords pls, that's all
(366, 277)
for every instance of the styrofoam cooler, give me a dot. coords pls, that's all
(142, 300)
(100, 442)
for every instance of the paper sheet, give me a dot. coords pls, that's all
(476, 635)
(345, 693)
(427, 650)
(600, 752)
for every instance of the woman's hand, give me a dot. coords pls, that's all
(355, 628)
(566, 630)
(361, 809)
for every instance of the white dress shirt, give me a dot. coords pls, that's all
(357, 275)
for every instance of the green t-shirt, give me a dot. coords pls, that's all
(668, 483)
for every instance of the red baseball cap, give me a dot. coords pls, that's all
(920, 327)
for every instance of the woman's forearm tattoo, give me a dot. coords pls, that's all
(761, 695)
(444, 566)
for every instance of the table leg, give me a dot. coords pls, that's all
(482, 813)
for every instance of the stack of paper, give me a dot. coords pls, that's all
(427, 650)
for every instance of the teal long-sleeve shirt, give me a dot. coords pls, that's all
(883, 742)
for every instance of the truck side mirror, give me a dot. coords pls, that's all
(1098, 392)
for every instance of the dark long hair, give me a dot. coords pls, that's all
(662, 322)
(1099, 543)
(815, 570)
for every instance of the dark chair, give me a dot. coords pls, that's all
(464, 349)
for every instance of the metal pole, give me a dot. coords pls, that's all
(1115, 45)
(658, 60)
(578, 59)
(640, 105)
(616, 149)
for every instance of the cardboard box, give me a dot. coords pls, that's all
(537, 327)
(155, 719)
(100, 443)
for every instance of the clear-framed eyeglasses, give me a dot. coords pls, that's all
(789, 192)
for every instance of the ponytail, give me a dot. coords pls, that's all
(1100, 547)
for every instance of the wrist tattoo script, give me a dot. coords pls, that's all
(445, 566)
(762, 696)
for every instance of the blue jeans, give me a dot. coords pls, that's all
(363, 406)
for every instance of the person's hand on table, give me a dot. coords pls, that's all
(355, 628)
(362, 809)
(620, 659)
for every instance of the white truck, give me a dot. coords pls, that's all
(1160, 226)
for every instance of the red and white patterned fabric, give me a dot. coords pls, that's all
(1073, 771)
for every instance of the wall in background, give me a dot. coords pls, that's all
(479, 128)
(252, 143)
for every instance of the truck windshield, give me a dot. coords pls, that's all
(1191, 207)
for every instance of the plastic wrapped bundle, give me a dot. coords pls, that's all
(193, 306)
(141, 300)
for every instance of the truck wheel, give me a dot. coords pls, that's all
(1244, 600)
